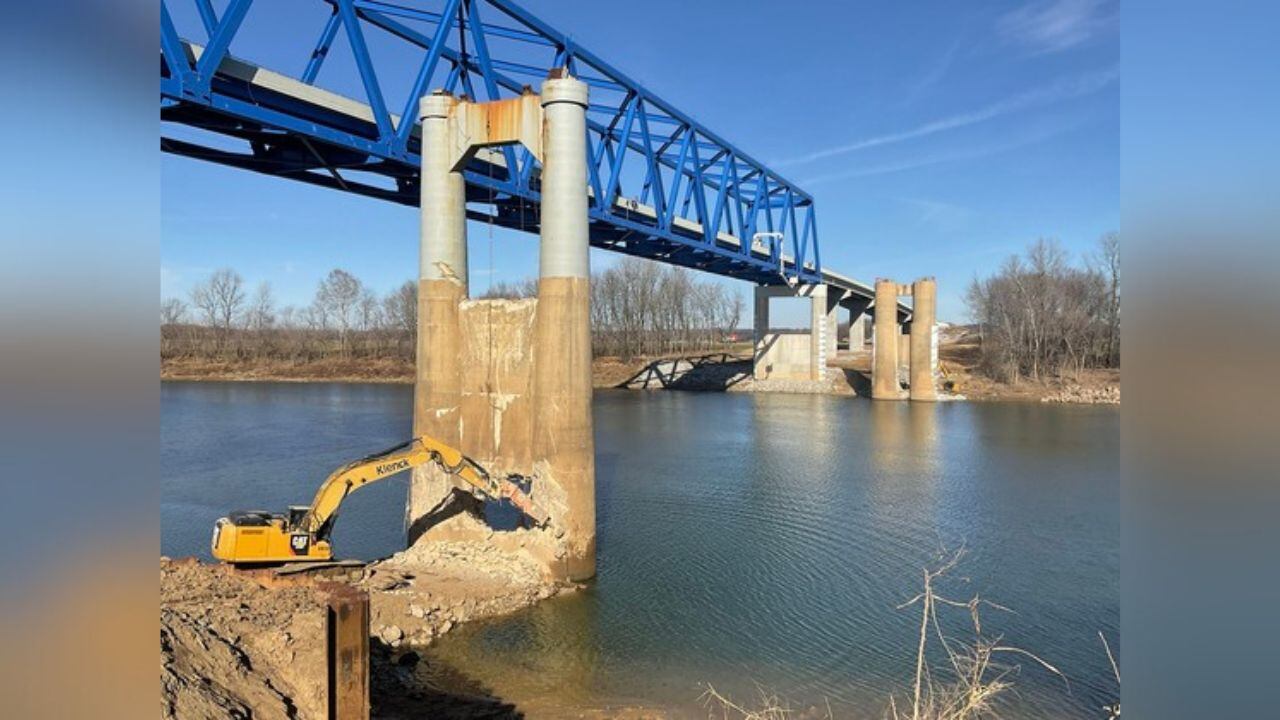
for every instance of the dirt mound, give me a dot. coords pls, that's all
(230, 648)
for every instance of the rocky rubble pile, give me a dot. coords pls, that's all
(423, 592)
(1106, 395)
(832, 385)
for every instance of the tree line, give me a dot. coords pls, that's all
(642, 308)
(637, 308)
(222, 319)
(1042, 315)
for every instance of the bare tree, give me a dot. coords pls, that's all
(220, 300)
(288, 317)
(337, 300)
(1042, 315)
(400, 309)
(172, 311)
(369, 312)
(261, 314)
(503, 290)
(1107, 262)
(639, 307)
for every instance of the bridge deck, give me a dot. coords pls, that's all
(301, 131)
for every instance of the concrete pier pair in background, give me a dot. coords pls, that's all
(508, 382)
(921, 341)
(802, 355)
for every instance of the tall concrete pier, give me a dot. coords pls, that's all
(508, 382)
(884, 348)
(914, 355)
(562, 436)
(442, 286)
(924, 320)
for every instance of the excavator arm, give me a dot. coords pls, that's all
(260, 537)
(419, 451)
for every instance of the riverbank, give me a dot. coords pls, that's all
(233, 647)
(959, 358)
(721, 370)
(711, 372)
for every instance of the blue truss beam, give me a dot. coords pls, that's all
(663, 185)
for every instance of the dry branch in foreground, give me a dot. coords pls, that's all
(965, 687)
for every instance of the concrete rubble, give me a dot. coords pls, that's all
(421, 593)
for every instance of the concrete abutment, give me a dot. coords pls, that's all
(794, 354)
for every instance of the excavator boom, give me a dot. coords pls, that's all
(303, 534)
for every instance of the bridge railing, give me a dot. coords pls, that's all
(661, 185)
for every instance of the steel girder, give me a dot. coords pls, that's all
(662, 186)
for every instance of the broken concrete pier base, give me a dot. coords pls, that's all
(509, 382)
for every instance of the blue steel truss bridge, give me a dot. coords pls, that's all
(662, 186)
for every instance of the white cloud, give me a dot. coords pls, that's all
(1060, 91)
(1053, 25)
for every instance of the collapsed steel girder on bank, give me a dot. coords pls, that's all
(662, 186)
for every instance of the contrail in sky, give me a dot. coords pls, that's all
(968, 153)
(1057, 92)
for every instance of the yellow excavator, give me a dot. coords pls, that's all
(255, 536)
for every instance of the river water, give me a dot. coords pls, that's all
(744, 540)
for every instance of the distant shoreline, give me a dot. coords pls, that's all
(1093, 387)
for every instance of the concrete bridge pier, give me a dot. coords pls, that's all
(831, 327)
(885, 343)
(857, 307)
(793, 354)
(561, 387)
(442, 286)
(913, 355)
(924, 339)
(508, 382)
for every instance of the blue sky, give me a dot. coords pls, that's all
(937, 138)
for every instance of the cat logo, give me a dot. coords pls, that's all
(389, 468)
(299, 543)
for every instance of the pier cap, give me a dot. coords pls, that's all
(560, 87)
(436, 105)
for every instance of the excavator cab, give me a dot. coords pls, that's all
(296, 514)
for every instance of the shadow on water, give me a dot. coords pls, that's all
(557, 663)
(859, 381)
(404, 686)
